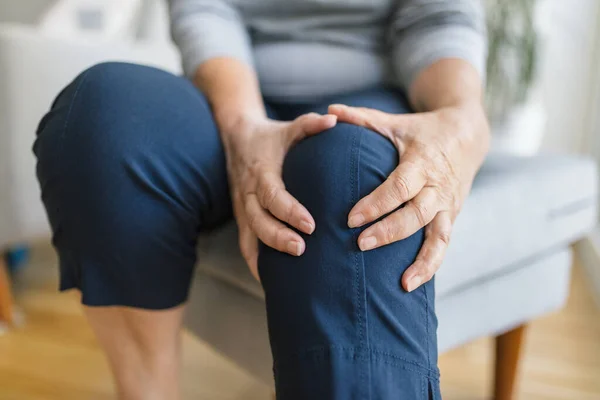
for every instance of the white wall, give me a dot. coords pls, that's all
(570, 83)
(567, 70)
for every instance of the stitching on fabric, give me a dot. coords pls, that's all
(407, 368)
(357, 354)
(354, 158)
(361, 270)
(400, 358)
(353, 179)
(328, 349)
(77, 89)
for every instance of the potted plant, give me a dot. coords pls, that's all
(515, 110)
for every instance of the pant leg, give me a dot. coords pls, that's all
(341, 326)
(131, 169)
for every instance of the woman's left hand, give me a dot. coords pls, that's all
(440, 153)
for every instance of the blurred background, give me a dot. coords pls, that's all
(543, 97)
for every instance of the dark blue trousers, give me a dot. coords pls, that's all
(132, 169)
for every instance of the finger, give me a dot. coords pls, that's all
(357, 115)
(312, 123)
(401, 224)
(246, 238)
(402, 185)
(249, 248)
(270, 231)
(273, 197)
(429, 259)
(376, 120)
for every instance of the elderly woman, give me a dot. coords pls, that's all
(342, 136)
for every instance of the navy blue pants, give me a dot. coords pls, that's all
(132, 169)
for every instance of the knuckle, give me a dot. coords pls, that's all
(421, 212)
(305, 118)
(279, 238)
(268, 195)
(430, 153)
(255, 169)
(372, 210)
(291, 212)
(386, 202)
(444, 236)
(388, 231)
(428, 273)
(401, 187)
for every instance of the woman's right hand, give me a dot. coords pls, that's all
(261, 204)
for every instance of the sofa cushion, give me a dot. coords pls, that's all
(519, 208)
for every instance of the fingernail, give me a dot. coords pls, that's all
(367, 243)
(307, 227)
(356, 220)
(295, 248)
(414, 283)
(337, 105)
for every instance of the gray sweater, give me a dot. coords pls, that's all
(308, 48)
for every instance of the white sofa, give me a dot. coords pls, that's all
(39, 54)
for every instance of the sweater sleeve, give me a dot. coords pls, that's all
(425, 31)
(204, 29)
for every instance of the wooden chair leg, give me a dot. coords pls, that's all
(508, 351)
(6, 299)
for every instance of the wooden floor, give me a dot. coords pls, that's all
(54, 355)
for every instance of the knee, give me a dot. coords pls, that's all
(89, 114)
(113, 111)
(325, 288)
(331, 171)
(100, 92)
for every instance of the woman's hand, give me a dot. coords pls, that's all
(440, 152)
(255, 153)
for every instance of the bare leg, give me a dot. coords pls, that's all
(143, 349)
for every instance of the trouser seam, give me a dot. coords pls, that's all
(354, 197)
(359, 264)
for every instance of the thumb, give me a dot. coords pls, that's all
(370, 118)
(311, 124)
